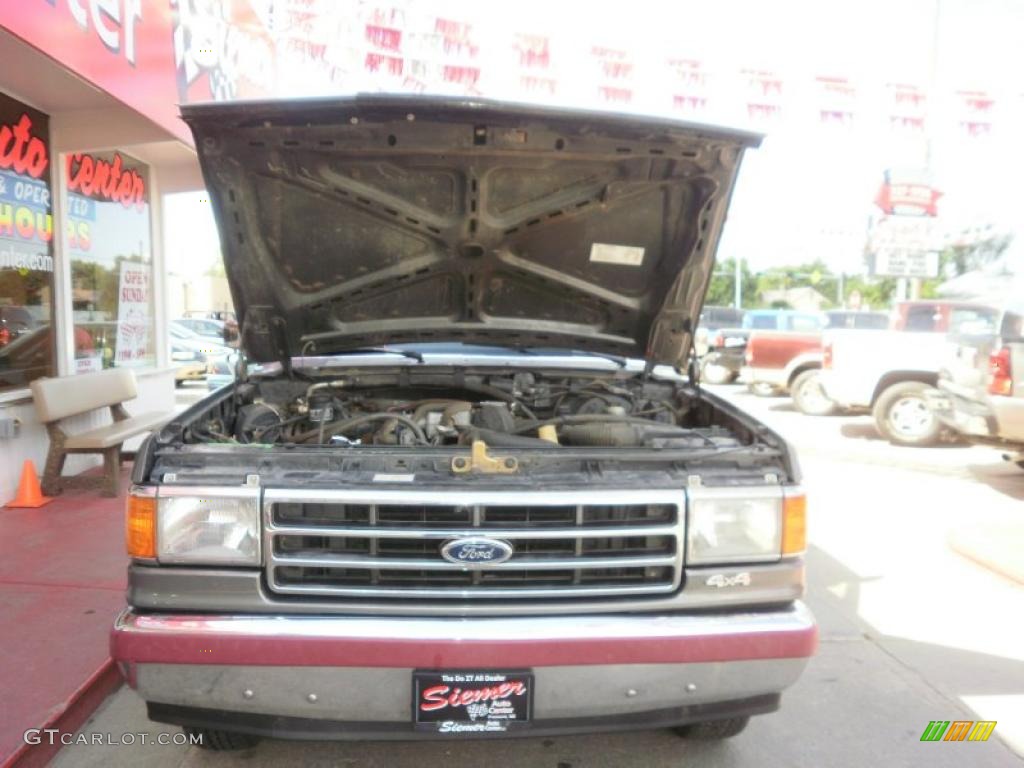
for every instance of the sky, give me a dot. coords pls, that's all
(807, 192)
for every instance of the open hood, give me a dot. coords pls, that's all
(378, 220)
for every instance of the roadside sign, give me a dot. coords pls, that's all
(908, 192)
(904, 246)
(894, 261)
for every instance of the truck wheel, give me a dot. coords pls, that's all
(762, 389)
(713, 373)
(714, 729)
(902, 415)
(221, 741)
(809, 396)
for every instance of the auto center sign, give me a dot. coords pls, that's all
(26, 216)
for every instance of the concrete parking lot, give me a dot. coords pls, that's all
(912, 631)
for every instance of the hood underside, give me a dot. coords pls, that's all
(378, 220)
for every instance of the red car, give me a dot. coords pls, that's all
(789, 361)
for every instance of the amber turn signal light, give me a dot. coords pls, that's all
(794, 524)
(140, 526)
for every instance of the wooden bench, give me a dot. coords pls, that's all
(60, 398)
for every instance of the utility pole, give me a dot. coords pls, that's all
(737, 288)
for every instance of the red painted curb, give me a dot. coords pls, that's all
(70, 717)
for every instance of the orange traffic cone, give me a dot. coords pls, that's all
(30, 495)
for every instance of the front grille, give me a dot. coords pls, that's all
(388, 543)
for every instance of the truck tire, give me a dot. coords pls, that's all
(713, 729)
(902, 416)
(221, 741)
(713, 373)
(762, 389)
(808, 395)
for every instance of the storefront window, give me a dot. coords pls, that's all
(111, 272)
(26, 246)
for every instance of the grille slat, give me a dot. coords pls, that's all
(388, 543)
(523, 564)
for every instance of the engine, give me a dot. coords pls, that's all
(522, 409)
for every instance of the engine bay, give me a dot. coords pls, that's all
(453, 407)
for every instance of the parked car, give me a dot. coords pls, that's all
(939, 316)
(862, 320)
(209, 328)
(889, 372)
(210, 349)
(712, 319)
(727, 350)
(722, 362)
(221, 372)
(775, 361)
(14, 322)
(189, 362)
(780, 362)
(225, 316)
(26, 358)
(552, 530)
(981, 388)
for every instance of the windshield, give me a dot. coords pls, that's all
(973, 320)
(760, 321)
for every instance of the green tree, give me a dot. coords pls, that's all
(967, 254)
(815, 274)
(970, 253)
(721, 291)
(876, 292)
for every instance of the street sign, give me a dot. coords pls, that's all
(894, 261)
(904, 246)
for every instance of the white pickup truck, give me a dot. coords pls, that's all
(890, 372)
(981, 388)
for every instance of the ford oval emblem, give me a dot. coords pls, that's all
(477, 551)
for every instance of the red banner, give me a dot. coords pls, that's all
(124, 48)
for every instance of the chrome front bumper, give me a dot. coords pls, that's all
(359, 670)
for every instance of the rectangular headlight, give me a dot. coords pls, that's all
(734, 525)
(208, 526)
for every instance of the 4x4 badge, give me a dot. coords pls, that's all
(721, 580)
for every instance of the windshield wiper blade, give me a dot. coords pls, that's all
(409, 353)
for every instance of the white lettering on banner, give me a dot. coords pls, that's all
(35, 262)
(133, 299)
(110, 18)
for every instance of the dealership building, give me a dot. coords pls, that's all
(90, 142)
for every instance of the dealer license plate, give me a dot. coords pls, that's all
(472, 701)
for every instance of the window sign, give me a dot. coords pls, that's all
(109, 240)
(26, 246)
(134, 300)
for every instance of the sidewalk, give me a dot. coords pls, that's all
(997, 543)
(62, 580)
